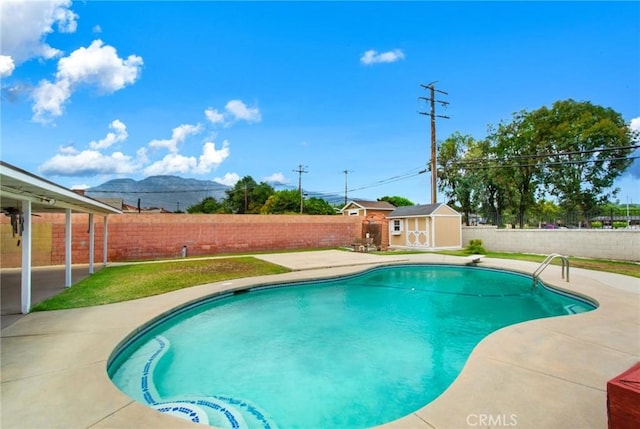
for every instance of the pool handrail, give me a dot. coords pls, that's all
(545, 264)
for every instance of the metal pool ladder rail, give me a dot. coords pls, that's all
(546, 262)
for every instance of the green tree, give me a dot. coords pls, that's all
(496, 190)
(458, 172)
(397, 201)
(318, 206)
(207, 205)
(247, 196)
(284, 201)
(546, 212)
(518, 148)
(588, 147)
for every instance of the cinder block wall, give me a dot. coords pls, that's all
(618, 244)
(148, 236)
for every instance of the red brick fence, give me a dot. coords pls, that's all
(149, 236)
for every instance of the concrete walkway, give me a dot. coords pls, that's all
(45, 283)
(539, 374)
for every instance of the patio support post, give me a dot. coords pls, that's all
(25, 282)
(104, 242)
(67, 248)
(91, 243)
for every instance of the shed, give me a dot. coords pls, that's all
(427, 226)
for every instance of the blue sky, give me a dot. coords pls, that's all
(97, 90)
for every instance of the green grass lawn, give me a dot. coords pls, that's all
(618, 267)
(126, 282)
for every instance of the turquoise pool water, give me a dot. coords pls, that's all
(352, 352)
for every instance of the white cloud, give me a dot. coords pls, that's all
(67, 150)
(212, 158)
(170, 164)
(141, 154)
(6, 65)
(234, 111)
(49, 98)
(25, 24)
(98, 66)
(119, 134)
(96, 29)
(178, 136)
(214, 116)
(635, 124)
(229, 179)
(276, 178)
(373, 57)
(176, 163)
(88, 163)
(239, 111)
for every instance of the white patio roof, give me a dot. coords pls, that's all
(17, 185)
(23, 193)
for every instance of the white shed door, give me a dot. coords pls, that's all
(417, 234)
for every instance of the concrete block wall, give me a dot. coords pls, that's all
(617, 244)
(164, 235)
(148, 236)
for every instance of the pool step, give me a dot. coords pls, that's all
(221, 411)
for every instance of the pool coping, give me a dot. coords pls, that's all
(543, 373)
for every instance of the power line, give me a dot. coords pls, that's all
(493, 163)
(432, 113)
(180, 191)
(470, 163)
(389, 180)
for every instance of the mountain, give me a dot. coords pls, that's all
(171, 193)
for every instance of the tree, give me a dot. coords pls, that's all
(318, 206)
(458, 172)
(518, 146)
(397, 201)
(547, 212)
(587, 148)
(207, 205)
(247, 196)
(284, 201)
(496, 190)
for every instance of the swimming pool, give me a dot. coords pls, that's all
(352, 352)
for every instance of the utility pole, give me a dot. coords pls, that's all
(300, 170)
(432, 113)
(345, 185)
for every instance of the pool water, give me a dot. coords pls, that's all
(353, 352)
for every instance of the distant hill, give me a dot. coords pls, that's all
(171, 193)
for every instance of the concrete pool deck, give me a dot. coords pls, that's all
(544, 373)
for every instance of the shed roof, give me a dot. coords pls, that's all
(417, 210)
(45, 196)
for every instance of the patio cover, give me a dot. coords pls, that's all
(25, 193)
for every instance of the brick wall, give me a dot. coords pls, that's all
(148, 236)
